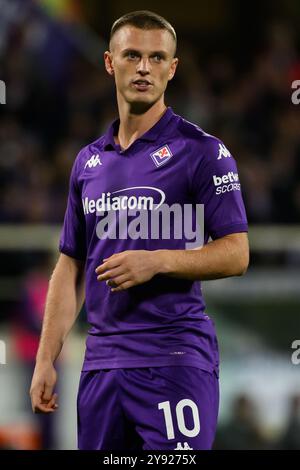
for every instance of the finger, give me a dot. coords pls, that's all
(114, 263)
(46, 406)
(101, 268)
(52, 403)
(36, 398)
(48, 392)
(123, 286)
(117, 281)
(40, 408)
(111, 274)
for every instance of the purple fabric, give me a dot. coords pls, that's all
(158, 408)
(161, 322)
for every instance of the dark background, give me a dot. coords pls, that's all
(237, 64)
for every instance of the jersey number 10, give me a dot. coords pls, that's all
(165, 406)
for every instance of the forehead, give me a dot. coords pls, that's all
(146, 40)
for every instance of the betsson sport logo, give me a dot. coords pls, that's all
(226, 183)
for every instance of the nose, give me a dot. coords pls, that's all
(143, 66)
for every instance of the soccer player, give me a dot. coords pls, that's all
(150, 373)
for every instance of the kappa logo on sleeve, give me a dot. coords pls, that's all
(162, 155)
(93, 161)
(223, 152)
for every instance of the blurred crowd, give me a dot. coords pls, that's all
(58, 101)
(245, 431)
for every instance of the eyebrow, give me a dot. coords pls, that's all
(130, 49)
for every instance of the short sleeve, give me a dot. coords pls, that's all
(216, 185)
(73, 234)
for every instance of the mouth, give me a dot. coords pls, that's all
(141, 84)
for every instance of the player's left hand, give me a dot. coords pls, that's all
(128, 268)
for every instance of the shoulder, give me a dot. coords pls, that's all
(88, 152)
(206, 154)
(203, 147)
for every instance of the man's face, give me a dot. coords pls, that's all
(142, 62)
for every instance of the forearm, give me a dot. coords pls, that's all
(218, 259)
(64, 301)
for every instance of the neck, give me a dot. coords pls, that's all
(133, 125)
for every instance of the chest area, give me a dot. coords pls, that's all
(141, 179)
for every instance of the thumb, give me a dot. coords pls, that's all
(48, 390)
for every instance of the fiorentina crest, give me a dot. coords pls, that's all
(162, 155)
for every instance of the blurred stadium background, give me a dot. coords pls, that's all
(237, 63)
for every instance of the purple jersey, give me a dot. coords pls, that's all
(161, 322)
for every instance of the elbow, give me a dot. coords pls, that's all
(239, 254)
(242, 271)
(243, 263)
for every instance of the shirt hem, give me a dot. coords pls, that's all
(69, 252)
(226, 230)
(151, 362)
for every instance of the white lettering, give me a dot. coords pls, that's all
(2, 352)
(221, 183)
(296, 94)
(105, 203)
(296, 354)
(92, 205)
(2, 92)
(132, 202)
(228, 188)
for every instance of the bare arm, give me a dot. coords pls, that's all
(224, 257)
(64, 301)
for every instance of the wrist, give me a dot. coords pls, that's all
(163, 261)
(44, 358)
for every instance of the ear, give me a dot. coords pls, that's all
(173, 68)
(108, 61)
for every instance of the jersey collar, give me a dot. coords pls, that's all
(151, 135)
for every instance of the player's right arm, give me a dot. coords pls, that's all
(64, 301)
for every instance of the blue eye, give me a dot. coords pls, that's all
(131, 55)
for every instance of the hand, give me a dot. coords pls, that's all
(128, 268)
(43, 400)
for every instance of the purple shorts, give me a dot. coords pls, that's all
(157, 408)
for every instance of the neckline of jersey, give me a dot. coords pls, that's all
(151, 135)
